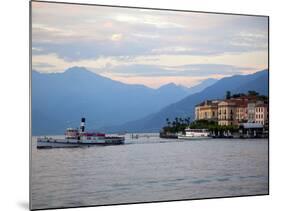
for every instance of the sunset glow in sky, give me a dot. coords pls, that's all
(149, 47)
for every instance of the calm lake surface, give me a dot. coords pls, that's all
(148, 169)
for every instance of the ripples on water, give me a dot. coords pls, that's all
(148, 169)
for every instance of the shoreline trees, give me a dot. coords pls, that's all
(180, 124)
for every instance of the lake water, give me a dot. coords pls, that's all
(148, 169)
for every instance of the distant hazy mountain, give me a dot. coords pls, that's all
(172, 88)
(202, 86)
(185, 107)
(59, 100)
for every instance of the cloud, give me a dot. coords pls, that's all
(147, 19)
(116, 37)
(42, 66)
(249, 61)
(192, 70)
(135, 44)
(154, 82)
(94, 31)
(172, 50)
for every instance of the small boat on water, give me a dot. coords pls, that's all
(75, 137)
(193, 134)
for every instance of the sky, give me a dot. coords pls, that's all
(149, 47)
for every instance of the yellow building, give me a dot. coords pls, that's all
(227, 113)
(207, 110)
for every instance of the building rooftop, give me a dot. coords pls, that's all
(228, 101)
(241, 101)
(208, 103)
(261, 104)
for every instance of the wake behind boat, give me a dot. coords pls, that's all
(75, 137)
(193, 134)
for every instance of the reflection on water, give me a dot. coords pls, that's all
(148, 169)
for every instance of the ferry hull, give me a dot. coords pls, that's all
(193, 137)
(64, 143)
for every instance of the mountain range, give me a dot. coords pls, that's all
(185, 107)
(59, 100)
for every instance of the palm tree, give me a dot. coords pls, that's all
(167, 121)
(228, 95)
(254, 93)
(180, 120)
(187, 120)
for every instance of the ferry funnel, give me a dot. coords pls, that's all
(82, 124)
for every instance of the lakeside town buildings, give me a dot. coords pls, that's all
(207, 110)
(234, 111)
(261, 113)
